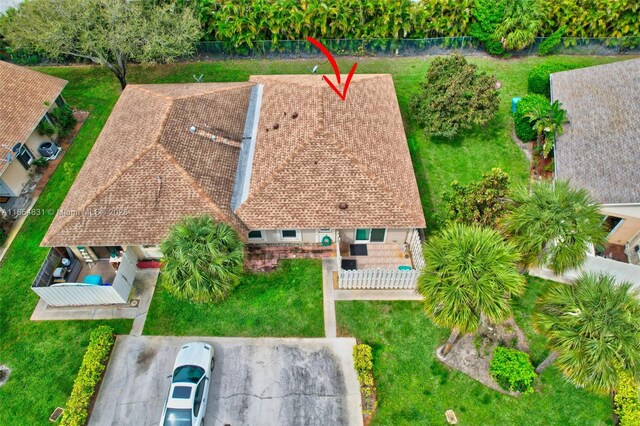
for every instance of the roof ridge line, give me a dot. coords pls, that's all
(201, 192)
(126, 167)
(283, 164)
(234, 85)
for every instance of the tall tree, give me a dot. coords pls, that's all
(202, 259)
(593, 329)
(454, 96)
(107, 32)
(553, 224)
(470, 273)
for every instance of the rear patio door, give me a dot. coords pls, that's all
(370, 235)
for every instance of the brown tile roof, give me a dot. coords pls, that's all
(352, 152)
(23, 97)
(600, 148)
(148, 164)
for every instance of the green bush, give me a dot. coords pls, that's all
(539, 78)
(524, 129)
(488, 14)
(3, 236)
(45, 128)
(93, 365)
(363, 364)
(480, 202)
(63, 116)
(552, 42)
(627, 405)
(512, 369)
(453, 97)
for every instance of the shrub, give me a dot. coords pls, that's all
(63, 116)
(524, 128)
(512, 369)
(627, 405)
(539, 78)
(202, 259)
(488, 14)
(45, 128)
(90, 374)
(3, 236)
(453, 97)
(363, 364)
(41, 163)
(481, 202)
(551, 42)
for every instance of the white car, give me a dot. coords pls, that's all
(187, 399)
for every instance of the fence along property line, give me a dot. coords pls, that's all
(415, 246)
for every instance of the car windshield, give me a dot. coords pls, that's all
(177, 417)
(188, 374)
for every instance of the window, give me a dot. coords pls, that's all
(197, 399)
(59, 101)
(177, 417)
(377, 235)
(325, 230)
(363, 234)
(25, 157)
(289, 234)
(255, 235)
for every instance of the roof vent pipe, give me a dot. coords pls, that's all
(343, 206)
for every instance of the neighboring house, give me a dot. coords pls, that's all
(280, 158)
(26, 99)
(600, 148)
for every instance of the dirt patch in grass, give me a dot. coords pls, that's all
(472, 353)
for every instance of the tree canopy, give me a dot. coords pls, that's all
(202, 259)
(553, 224)
(107, 32)
(481, 202)
(470, 273)
(594, 326)
(454, 96)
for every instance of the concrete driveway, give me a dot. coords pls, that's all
(265, 381)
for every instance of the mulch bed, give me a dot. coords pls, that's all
(472, 353)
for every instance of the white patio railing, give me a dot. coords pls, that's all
(377, 279)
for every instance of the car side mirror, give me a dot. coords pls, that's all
(169, 376)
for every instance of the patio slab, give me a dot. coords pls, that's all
(143, 288)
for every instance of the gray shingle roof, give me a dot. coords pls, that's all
(600, 148)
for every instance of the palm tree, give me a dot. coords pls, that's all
(520, 24)
(553, 224)
(593, 328)
(202, 259)
(549, 124)
(470, 274)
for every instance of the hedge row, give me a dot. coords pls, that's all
(363, 363)
(242, 22)
(90, 374)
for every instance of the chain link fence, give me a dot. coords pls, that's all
(372, 47)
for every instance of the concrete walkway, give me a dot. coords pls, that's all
(328, 267)
(376, 295)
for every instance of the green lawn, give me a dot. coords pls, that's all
(287, 302)
(414, 388)
(45, 356)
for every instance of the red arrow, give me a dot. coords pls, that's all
(336, 70)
